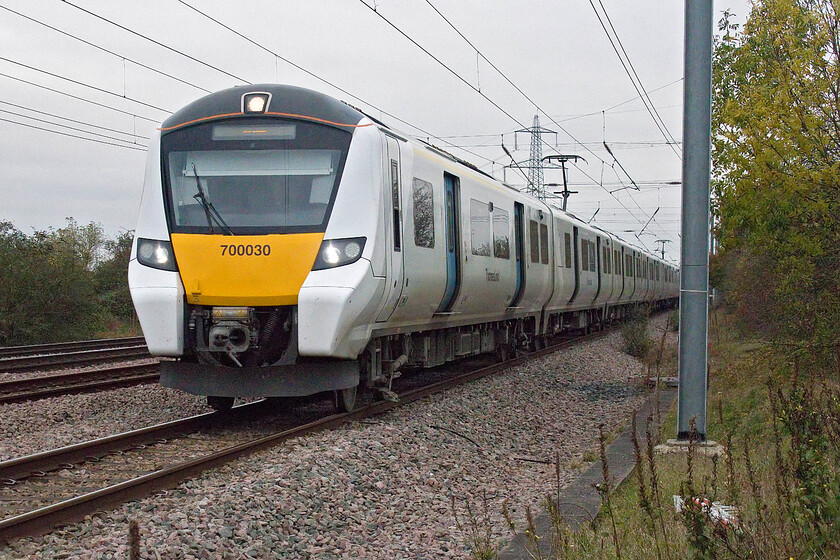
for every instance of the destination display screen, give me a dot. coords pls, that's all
(254, 132)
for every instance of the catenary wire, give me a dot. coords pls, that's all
(72, 81)
(111, 22)
(72, 120)
(127, 146)
(646, 96)
(638, 87)
(21, 115)
(158, 43)
(101, 48)
(491, 101)
(324, 80)
(27, 82)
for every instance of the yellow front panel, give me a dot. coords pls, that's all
(245, 269)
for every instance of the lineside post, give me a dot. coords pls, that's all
(694, 277)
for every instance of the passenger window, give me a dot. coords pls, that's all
(450, 225)
(544, 243)
(395, 193)
(480, 234)
(501, 233)
(534, 231)
(568, 239)
(592, 257)
(424, 213)
(584, 254)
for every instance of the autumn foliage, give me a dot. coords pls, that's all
(776, 161)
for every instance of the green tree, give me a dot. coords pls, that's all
(776, 154)
(111, 277)
(47, 294)
(85, 244)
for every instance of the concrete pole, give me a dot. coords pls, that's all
(694, 279)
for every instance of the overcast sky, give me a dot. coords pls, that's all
(556, 53)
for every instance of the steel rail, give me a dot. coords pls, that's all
(75, 358)
(36, 388)
(22, 467)
(43, 519)
(56, 347)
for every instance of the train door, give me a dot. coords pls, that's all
(451, 186)
(575, 246)
(519, 245)
(395, 255)
(598, 265)
(621, 271)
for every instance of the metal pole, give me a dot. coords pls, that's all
(694, 279)
(565, 185)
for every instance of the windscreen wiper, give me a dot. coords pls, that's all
(209, 210)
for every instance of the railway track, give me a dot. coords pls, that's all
(59, 347)
(74, 358)
(60, 486)
(82, 382)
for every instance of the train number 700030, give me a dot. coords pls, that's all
(246, 250)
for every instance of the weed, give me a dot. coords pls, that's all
(476, 530)
(605, 488)
(673, 323)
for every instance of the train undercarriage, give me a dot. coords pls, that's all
(253, 352)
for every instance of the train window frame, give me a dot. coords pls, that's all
(423, 207)
(395, 195)
(450, 224)
(534, 240)
(593, 257)
(543, 243)
(584, 254)
(567, 238)
(501, 234)
(481, 229)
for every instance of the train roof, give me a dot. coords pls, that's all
(292, 101)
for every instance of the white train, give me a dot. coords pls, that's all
(288, 244)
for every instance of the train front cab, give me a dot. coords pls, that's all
(237, 225)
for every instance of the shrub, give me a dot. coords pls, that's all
(634, 334)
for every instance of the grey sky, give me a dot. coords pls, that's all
(556, 52)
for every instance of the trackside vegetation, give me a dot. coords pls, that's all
(773, 493)
(776, 178)
(63, 284)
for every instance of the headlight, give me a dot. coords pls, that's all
(156, 254)
(338, 252)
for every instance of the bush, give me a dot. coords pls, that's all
(634, 334)
(56, 285)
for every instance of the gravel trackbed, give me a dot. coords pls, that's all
(388, 488)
